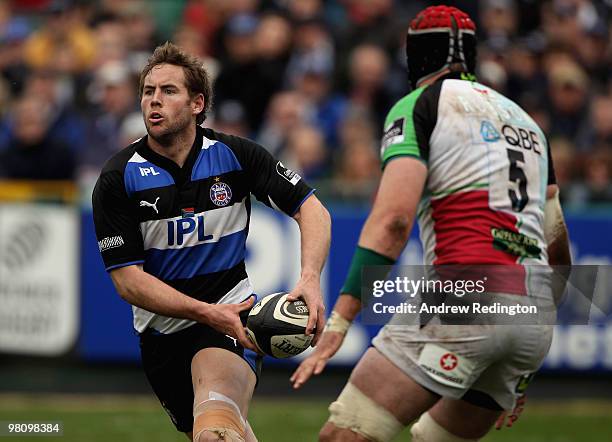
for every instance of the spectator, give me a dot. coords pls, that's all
(65, 124)
(286, 111)
(230, 118)
(535, 108)
(273, 40)
(491, 70)
(560, 22)
(357, 173)
(312, 44)
(62, 44)
(597, 186)
(240, 78)
(568, 93)
(368, 70)
(525, 77)
(305, 9)
(306, 152)
(113, 91)
(13, 33)
(111, 39)
(499, 19)
(564, 159)
(357, 166)
(357, 127)
(592, 51)
(203, 16)
(599, 132)
(33, 155)
(281, 65)
(140, 27)
(372, 21)
(195, 43)
(131, 129)
(314, 82)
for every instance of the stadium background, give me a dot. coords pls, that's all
(311, 80)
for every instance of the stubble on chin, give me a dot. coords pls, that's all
(166, 137)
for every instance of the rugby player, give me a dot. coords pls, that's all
(172, 215)
(450, 141)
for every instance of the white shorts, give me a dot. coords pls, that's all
(449, 360)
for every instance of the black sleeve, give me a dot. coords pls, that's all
(552, 179)
(269, 180)
(118, 232)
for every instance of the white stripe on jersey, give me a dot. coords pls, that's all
(137, 158)
(218, 223)
(206, 143)
(144, 319)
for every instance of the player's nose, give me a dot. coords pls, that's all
(157, 97)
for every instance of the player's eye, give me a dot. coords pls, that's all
(148, 92)
(169, 91)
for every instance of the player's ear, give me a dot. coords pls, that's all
(197, 104)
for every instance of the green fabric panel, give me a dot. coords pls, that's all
(354, 281)
(409, 145)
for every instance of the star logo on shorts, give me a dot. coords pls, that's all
(233, 339)
(448, 361)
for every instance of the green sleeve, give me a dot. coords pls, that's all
(400, 133)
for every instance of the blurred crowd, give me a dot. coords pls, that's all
(311, 80)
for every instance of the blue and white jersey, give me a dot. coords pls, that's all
(188, 225)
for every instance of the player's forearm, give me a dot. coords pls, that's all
(315, 231)
(559, 251)
(347, 306)
(555, 230)
(388, 227)
(557, 239)
(146, 291)
(386, 233)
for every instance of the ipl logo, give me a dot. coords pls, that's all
(220, 194)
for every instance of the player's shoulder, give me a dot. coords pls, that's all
(404, 104)
(118, 161)
(416, 99)
(234, 142)
(245, 149)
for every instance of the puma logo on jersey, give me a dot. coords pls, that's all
(146, 171)
(148, 204)
(233, 339)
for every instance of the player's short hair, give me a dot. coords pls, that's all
(196, 77)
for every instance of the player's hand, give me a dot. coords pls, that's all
(317, 360)
(514, 414)
(309, 289)
(225, 319)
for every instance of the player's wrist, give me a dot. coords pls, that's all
(310, 275)
(337, 323)
(203, 312)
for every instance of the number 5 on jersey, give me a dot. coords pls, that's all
(517, 177)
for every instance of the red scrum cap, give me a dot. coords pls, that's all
(440, 37)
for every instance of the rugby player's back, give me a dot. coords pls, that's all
(488, 169)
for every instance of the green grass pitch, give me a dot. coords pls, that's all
(137, 418)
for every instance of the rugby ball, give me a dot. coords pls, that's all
(277, 327)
